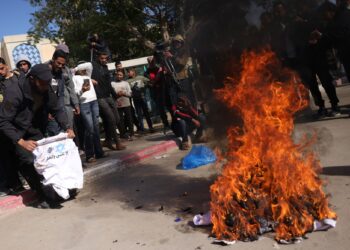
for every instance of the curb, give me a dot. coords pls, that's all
(27, 197)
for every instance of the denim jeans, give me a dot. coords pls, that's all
(110, 117)
(90, 114)
(183, 128)
(142, 111)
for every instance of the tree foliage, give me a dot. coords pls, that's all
(126, 25)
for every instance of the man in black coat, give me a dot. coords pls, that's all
(338, 33)
(23, 120)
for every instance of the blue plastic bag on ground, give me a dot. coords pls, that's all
(198, 156)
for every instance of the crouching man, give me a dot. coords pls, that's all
(186, 119)
(23, 119)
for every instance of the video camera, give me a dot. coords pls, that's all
(163, 61)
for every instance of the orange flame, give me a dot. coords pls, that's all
(267, 175)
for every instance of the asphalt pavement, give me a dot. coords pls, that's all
(150, 205)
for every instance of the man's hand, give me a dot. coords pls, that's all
(94, 82)
(50, 117)
(196, 123)
(315, 35)
(77, 110)
(85, 88)
(70, 133)
(167, 54)
(28, 145)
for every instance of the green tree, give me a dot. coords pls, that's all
(130, 27)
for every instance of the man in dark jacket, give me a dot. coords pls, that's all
(338, 33)
(106, 97)
(9, 179)
(23, 119)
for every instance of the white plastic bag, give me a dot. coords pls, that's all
(57, 159)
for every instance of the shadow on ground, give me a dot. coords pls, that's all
(336, 170)
(153, 188)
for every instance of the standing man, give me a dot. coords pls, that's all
(123, 90)
(181, 60)
(71, 100)
(106, 97)
(63, 86)
(138, 87)
(23, 64)
(23, 119)
(338, 34)
(8, 173)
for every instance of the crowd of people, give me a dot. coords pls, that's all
(312, 41)
(43, 100)
(47, 99)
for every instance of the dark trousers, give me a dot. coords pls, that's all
(161, 109)
(90, 114)
(345, 60)
(8, 166)
(26, 168)
(142, 111)
(186, 88)
(110, 117)
(126, 116)
(183, 128)
(327, 83)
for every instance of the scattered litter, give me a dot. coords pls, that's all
(198, 248)
(161, 208)
(138, 207)
(292, 241)
(224, 242)
(177, 219)
(202, 219)
(198, 156)
(324, 225)
(158, 157)
(137, 190)
(115, 241)
(137, 243)
(92, 199)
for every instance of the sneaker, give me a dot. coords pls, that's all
(4, 192)
(322, 112)
(336, 111)
(108, 145)
(185, 145)
(91, 160)
(104, 155)
(119, 146)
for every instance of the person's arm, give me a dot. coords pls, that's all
(13, 98)
(73, 95)
(85, 66)
(58, 112)
(128, 89)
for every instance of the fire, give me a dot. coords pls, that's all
(267, 176)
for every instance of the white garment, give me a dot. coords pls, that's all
(87, 96)
(57, 159)
(124, 86)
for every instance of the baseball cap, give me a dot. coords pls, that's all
(41, 71)
(63, 47)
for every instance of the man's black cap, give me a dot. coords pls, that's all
(41, 71)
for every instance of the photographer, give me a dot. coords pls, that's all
(97, 45)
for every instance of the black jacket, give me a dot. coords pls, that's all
(101, 74)
(338, 32)
(22, 110)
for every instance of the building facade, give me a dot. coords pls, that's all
(11, 47)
